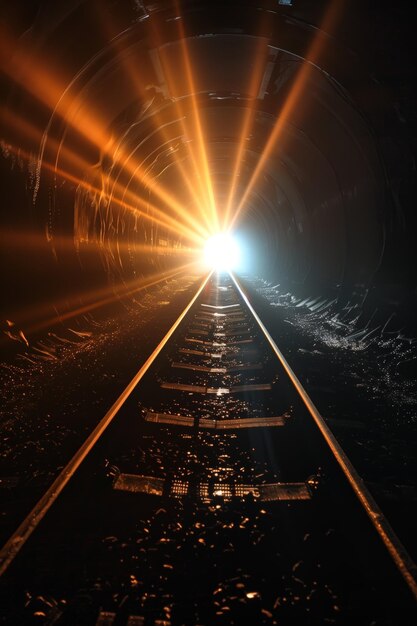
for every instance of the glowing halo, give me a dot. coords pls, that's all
(222, 252)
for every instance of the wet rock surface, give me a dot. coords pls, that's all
(50, 405)
(216, 563)
(364, 382)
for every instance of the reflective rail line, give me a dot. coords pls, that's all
(29, 524)
(399, 554)
(212, 462)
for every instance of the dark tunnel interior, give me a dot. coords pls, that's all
(306, 116)
(133, 135)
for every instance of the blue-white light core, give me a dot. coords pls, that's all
(222, 252)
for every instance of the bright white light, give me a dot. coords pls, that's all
(222, 252)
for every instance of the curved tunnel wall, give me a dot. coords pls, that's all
(319, 212)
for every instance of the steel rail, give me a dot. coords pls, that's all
(29, 524)
(399, 554)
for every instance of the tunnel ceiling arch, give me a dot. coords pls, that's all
(145, 127)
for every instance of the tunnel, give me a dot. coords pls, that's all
(120, 113)
(132, 133)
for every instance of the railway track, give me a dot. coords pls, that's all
(211, 493)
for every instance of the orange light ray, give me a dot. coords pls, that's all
(29, 72)
(31, 133)
(137, 174)
(72, 158)
(254, 84)
(161, 127)
(198, 200)
(292, 101)
(198, 127)
(97, 299)
(203, 197)
(163, 220)
(24, 239)
(158, 123)
(56, 95)
(203, 202)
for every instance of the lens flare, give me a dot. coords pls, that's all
(222, 252)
